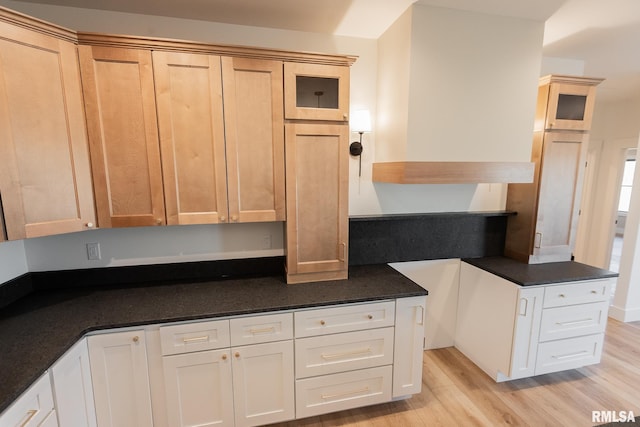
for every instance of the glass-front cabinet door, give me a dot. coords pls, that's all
(570, 106)
(316, 92)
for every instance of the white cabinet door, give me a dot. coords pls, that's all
(198, 388)
(409, 342)
(120, 379)
(525, 335)
(72, 388)
(33, 408)
(263, 383)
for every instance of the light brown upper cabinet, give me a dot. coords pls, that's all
(45, 177)
(317, 201)
(565, 103)
(316, 92)
(123, 135)
(254, 132)
(191, 124)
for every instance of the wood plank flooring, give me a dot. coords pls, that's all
(457, 393)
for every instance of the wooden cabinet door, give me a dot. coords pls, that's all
(73, 390)
(45, 177)
(191, 125)
(317, 201)
(316, 91)
(408, 345)
(263, 383)
(123, 136)
(560, 187)
(120, 378)
(570, 106)
(254, 127)
(198, 387)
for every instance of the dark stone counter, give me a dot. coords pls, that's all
(539, 274)
(38, 328)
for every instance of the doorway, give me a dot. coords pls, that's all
(624, 199)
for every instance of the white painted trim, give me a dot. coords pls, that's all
(624, 315)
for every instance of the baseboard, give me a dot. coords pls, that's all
(624, 315)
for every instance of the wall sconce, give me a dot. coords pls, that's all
(361, 123)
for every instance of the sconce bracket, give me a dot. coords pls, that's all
(355, 149)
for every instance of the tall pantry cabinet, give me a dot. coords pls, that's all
(45, 177)
(545, 226)
(316, 109)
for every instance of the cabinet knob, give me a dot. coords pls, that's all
(223, 218)
(234, 218)
(370, 316)
(322, 322)
(561, 295)
(89, 225)
(594, 292)
(158, 221)
(136, 338)
(224, 356)
(237, 354)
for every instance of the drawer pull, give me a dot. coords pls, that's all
(346, 393)
(262, 330)
(135, 339)
(224, 356)
(370, 316)
(561, 296)
(574, 322)
(322, 322)
(568, 356)
(348, 353)
(195, 339)
(594, 292)
(30, 414)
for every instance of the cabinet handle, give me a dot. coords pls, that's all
(224, 356)
(262, 330)
(346, 393)
(574, 322)
(234, 218)
(567, 356)
(561, 295)
(89, 225)
(136, 338)
(158, 221)
(223, 218)
(346, 353)
(594, 292)
(30, 414)
(237, 354)
(370, 316)
(195, 339)
(343, 252)
(322, 322)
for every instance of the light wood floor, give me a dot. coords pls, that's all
(457, 393)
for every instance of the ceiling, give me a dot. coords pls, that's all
(605, 35)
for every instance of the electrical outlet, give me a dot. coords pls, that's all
(266, 242)
(93, 251)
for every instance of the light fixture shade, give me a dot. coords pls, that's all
(361, 121)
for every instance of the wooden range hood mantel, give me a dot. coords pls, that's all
(453, 172)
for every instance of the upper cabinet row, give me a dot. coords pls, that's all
(168, 148)
(158, 133)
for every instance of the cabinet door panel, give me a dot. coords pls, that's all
(191, 127)
(73, 389)
(526, 331)
(254, 127)
(123, 136)
(263, 383)
(198, 387)
(409, 342)
(120, 379)
(317, 211)
(45, 181)
(557, 220)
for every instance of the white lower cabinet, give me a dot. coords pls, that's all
(73, 389)
(120, 379)
(33, 408)
(513, 332)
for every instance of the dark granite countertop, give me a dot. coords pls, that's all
(525, 274)
(37, 329)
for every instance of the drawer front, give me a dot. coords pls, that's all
(573, 321)
(196, 336)
(328, 354)
(344, 319)
(576, 293)
(346, 390)
(554, 356)
(33, 407)
(261, 329)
